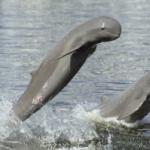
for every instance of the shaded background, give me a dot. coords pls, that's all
(29, 29)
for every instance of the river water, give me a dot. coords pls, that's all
(29, 29)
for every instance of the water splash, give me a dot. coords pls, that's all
(8, 120)
(62, 125)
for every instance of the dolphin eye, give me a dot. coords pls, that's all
(103, 26)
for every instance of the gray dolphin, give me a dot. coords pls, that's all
(63, 62)
(131, 105)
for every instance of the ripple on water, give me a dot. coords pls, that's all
(28, 29)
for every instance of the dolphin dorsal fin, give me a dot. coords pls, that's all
(104, 105)
(104, 99)
(33, 73)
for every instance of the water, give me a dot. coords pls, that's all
(29, 29)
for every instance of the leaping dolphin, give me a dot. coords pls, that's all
(63, 62)
(132, 105)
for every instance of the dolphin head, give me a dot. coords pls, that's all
(110, 29)
(103, 29)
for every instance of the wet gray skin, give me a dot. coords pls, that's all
(63, 62)
(131, 105)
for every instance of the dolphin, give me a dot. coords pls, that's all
(63, 62)
(132, 105)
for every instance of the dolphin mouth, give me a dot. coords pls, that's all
(111, 37)
(116, 36)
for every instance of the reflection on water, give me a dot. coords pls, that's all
(28, 29)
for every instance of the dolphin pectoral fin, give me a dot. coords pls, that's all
(69, 53)
(74, 45)
(104, 99)
(33, 73)
(92, 48)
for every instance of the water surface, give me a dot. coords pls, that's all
(29, 29)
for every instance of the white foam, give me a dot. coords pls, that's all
(95, 116)
(8, 120)
(67, 126)
(75, 148)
